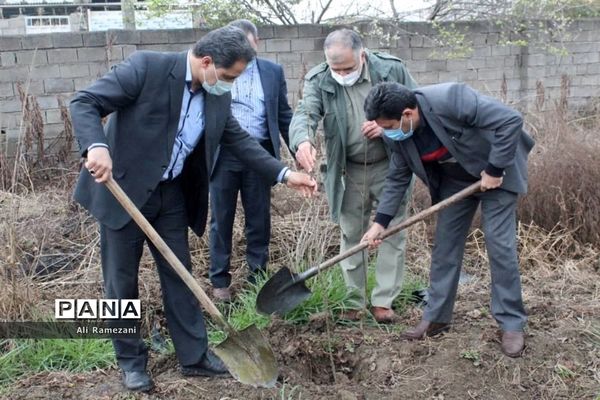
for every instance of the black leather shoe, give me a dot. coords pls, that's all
(137, 381)
(210, 365)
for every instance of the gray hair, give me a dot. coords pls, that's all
(345, 38)
(245, 25)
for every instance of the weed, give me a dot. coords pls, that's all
(471, 355)
(564, 372)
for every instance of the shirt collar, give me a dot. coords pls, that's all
(188, 72)
(364, 74)
(188, 68)
(422, 121)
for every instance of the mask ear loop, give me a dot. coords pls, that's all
(216, 75)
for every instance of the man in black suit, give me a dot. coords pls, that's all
(259, 104)
(168, 113)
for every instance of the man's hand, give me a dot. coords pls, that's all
(371, 236)
(99, 164)
(371, 130)
(306, 156)
(301, 183)
(489, 182)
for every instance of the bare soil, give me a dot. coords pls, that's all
(371, 362)
(323, 360)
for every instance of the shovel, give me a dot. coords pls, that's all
(286, 290)
(247, 355)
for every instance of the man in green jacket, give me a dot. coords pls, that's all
(357, 158)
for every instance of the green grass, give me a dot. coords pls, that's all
(27, 356)
(329, 294)
(472, 355)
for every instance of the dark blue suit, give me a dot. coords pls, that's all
(229, 177)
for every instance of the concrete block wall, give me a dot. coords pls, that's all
(57, 65)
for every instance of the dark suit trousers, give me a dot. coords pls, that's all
(499, 227)
(230, 177)
(121, 253)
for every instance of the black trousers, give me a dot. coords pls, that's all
(229, 178)
(121, 252)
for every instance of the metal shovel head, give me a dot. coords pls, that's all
(281, 294)
(249, 357)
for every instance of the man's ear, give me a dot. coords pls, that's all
(205, 61)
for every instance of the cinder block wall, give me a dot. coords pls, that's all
(57, 65)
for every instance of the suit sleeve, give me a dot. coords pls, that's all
(490, 115)
(395, 186)
(249, 151)
(285, 111)
(117, 89)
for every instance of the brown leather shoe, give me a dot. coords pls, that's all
(384, 315)
(350, 315)
(222, 294)
(425, 328)
(513, 343)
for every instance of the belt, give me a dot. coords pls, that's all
(170, 181)
(366, 163)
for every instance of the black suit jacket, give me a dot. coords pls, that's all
(279, 113)
(143, 97)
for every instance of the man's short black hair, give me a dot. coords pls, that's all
(225, 46)
(246, 25)
(388, 100)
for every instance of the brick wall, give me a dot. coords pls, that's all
(56, 65)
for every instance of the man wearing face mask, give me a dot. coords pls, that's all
(259, 104)
(450, 136)
(357, 158)
(167, 112)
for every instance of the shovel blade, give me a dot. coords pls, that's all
(281, 294)
(249, 357)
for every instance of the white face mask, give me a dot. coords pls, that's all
(218, 88)
(349, 79)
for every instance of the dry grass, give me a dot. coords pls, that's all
(49, 247)
(564, 171)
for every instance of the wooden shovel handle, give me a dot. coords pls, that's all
(167, 253)
(466, 192)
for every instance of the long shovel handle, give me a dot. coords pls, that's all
(466, 192)
(167, 253)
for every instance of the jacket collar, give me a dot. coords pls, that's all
(176, 84)
(378, 71)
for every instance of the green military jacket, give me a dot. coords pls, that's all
(323, 98)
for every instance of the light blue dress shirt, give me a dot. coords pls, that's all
(248, 102)
(190, 128)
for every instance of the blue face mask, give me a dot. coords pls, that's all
(398, 134)
(218, 88)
